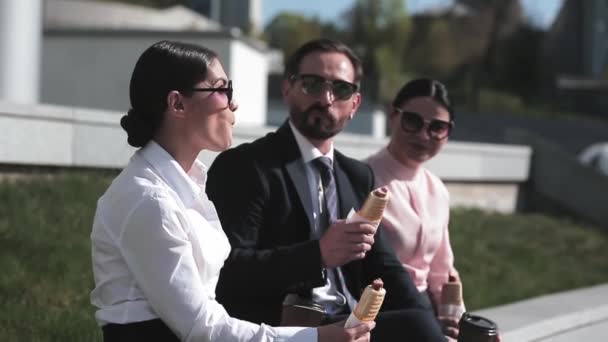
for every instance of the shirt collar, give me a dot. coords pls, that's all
(308, 151)
(188, 186)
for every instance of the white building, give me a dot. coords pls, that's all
(89, 50)
(244, 14)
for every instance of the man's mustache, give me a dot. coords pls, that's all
(316, 107)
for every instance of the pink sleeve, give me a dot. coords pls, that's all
(442, 266)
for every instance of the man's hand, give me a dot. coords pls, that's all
(344, 242)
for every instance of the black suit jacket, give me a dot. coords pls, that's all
(262, 197)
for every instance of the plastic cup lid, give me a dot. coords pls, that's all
(477, 323)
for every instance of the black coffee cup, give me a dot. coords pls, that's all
(474, 328)
(301, 312)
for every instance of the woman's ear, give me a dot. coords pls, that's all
(175, 104)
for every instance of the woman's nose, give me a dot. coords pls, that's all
(423, 132)
(233, 105)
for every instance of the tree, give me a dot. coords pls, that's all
(434, 49)
(376, 30)
(506, 17)
(379, 33)
(287, 31)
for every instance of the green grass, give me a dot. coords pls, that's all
(46, 278)
(45, 258)
(504, 258)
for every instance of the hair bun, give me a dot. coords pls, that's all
(139, 131)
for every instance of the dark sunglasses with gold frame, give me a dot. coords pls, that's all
(413, 122)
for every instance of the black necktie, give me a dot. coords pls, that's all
(324, 165)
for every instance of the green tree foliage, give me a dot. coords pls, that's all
(287, 31)
(377, 31)
(487, 49)
(434, 49)
(516, 64)
(379, 34)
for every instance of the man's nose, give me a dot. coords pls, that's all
(327, 95)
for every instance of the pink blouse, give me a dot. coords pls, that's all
(416, 221)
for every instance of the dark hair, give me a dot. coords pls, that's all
(292, 66)
(162, 68)
(424, 87)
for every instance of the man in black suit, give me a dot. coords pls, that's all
(283, 206)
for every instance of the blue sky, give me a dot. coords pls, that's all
(541, 11)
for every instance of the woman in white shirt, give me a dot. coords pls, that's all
(157, 243)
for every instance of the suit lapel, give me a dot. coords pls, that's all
(296, 170)
(297, 173)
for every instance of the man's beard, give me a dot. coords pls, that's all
(321, 127)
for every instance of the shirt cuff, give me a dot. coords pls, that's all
(296, 334)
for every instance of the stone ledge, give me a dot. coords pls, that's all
(557, 325)
(60, 136)
(545, 316)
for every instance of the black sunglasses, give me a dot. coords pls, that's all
(227, 90)
(412, 122)
(314, 85)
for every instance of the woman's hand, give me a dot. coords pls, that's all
(449, 325)
(337, 332)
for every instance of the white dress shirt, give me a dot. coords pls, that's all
(327, 295)
(158, 248)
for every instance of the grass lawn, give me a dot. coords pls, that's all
(505, 258)
(45, 257)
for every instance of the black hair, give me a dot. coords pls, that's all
(292, 66)
(164, 67)
(424, 87)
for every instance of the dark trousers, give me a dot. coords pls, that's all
(152, 330)
(393, 326)
(407, 325)
(402, 325)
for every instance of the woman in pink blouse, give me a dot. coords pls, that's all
(416, 219)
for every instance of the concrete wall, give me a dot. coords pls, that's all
(559, 182)
(46, 135)
(249, 72)
(92, 69)
(478, 175)
(572, 134)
